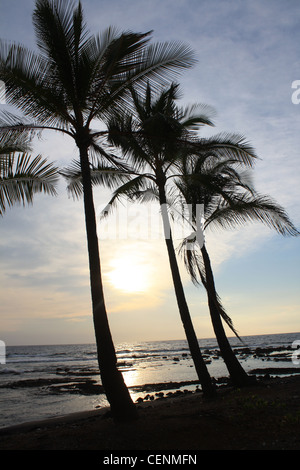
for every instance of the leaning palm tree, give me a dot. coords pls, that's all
(152, 139)
(227, 198)
(21, 175)
(74, 80)
(158, 142)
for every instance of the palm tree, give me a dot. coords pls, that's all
(21, 175)
(159, 142)
(227, 198)
(75, 80)
(153, 141)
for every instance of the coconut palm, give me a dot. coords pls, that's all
(74, 80)
(151, 140)
(160, 141)
(155, 142)
(227, 198)
(21, 175)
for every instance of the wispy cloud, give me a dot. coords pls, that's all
(248, 56)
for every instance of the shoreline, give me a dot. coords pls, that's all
(150, 393)
(261, 417)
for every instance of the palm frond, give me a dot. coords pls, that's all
(148, 194)
(128, 190)
(194, 116)
(14, 128)
(102, 174)
(65, 20)
(252, 208)
(195, 267)
(31, 86)
(63, 38)
(21, 176)
(13, 142)
(227, 146)
(193, 263)
(125, 134)
(162, 61)
(155, 64)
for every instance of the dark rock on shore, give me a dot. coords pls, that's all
(276, 370)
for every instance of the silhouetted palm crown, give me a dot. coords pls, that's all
(21, 175)
(77, 77)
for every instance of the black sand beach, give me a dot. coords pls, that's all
(261, 417)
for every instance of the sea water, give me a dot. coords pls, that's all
(38, 382)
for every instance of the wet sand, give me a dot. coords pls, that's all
(261, 417)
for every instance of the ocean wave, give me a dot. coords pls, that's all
(43, 379)
(10, 371)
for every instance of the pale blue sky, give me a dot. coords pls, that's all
(248, 56)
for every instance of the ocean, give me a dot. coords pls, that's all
(38, 382)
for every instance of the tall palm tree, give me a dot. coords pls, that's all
(160, 140)
(21, 175)
(73, 81)
(152, 137)
(156, 141)
(227, 198)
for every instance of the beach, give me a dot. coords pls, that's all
(265, 416)
(51, 399)
(41, 382)
(149, 188)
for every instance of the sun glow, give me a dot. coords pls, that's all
(129, 274)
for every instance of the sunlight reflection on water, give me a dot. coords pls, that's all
(27, 392)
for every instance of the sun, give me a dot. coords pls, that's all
(129, 274)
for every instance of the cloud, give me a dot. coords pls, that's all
(248, 58)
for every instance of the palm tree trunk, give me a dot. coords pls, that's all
(122, 407)
(200, 366)
(237, 374)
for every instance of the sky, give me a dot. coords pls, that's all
(247, 61)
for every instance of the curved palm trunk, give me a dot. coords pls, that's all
(237, 374)
(200, 366)
(116, 391)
